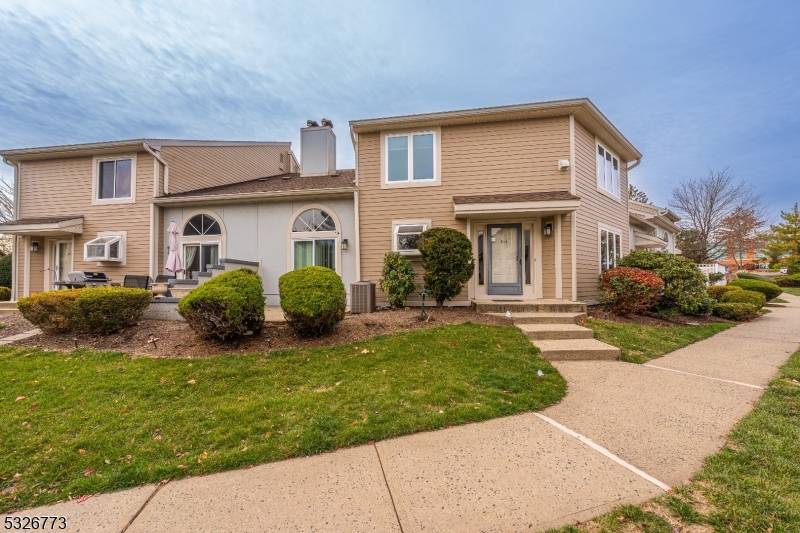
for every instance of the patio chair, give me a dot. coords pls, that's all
(137, 282)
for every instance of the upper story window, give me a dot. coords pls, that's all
(114, 179)
(410, 159)
(607, 171)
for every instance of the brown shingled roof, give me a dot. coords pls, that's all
(279, 183)
(39, 220)
(545, 196)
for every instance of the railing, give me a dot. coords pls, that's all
(711, 268)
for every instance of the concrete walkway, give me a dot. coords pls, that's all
(20, 336)
(623, 434)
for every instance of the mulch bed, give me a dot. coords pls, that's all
(176, 339)
(653, 319)
(15, 325)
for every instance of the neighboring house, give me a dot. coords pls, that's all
(541, 190)
(106, 206)
(652, 228)
(752, 258)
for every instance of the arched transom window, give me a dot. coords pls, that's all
(314, 238)
(201, 225)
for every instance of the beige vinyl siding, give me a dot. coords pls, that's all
(64, 187)
(548, 262)
(596, 208)
(198, 167)
(19, 257)
(566, 256)
(490, 158)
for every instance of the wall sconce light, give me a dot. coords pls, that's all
(344, 244)
(548, 229)
(34, 246)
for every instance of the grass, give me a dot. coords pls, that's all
(791, 290)
(91, 422)
(751, 485)
(778, 301)
(640, 344)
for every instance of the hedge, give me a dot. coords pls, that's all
(90, 310)
(628, 290)
(757, 277)
(717, 291)
(736, 311)
(226, 306)
(767, 289)
(789, 281)
(743, 296)
(5, 294)
(313, 300)
(5, 270)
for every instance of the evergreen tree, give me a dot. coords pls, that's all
(787, 233)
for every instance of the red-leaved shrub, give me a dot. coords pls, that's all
(627, 290)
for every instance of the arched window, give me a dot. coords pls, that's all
(202, 240)
(201, 225)
(314, 238)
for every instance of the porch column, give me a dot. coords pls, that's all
(558, 269)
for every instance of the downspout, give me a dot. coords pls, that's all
(354, 138)
(15, 240)
(634, 165)
(166, 166)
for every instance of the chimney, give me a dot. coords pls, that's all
(317, 149)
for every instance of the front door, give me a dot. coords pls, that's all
(62, 260)
(505, 258)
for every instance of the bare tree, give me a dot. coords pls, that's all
(6, 214)
(637, 195)
(740, 230)
(704, 203)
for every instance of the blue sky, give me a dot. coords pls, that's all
(692, 84)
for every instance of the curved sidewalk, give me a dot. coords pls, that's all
(623, 434)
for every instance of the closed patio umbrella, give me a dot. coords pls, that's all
(174, 263)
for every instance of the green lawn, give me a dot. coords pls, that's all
(751, 485)
(640, 344)
(86, 422)
(791, 290)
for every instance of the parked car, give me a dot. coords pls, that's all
(784, 270)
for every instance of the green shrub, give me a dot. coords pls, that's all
(767, 289)
(628, 290)
(397, 278)
(226, 306)
(91, 310)
(789, 281)
(5, 294)
(717, 291)
(5, 270)
(793, 265)
(52, 311)
(747, 297)
(447, 260)
(736, 311)
(684, 283)
(313, 300)
(757, 277)
(714, 277)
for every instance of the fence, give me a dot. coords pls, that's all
(710, 268)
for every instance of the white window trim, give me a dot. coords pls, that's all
(426, 222)
(96, 180)
(611, 229)
(221, 240)
(123, 260)
(200, 244)
(437, 159)
(292, 236)
(602, 190)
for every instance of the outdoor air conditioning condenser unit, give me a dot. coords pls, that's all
(362, 297)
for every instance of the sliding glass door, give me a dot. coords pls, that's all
(314, 252)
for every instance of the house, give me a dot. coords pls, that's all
(652, 228)
(106, 207)
(541, 190)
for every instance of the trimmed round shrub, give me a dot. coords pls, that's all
(5, 270)
(397, 278)
(767, 289)
(717, 291)
(313, 300)
(626, 290)
(448, 262)
(789, 281)
(684, 283)
(91, 310)
(757, 277)
(747, 297)
(736, 311)
(226, 306)
(5, 294)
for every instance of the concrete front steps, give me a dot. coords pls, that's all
(552, 325)
(181, 287)
(8, 308)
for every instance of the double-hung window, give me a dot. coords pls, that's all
(410, 158)
(607, 170)
(114, 179)
(610, 248)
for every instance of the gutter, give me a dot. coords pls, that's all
(166, 166)
(255, 196)
(634, 165)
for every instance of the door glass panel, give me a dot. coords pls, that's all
(505, 247)
(191, 260)
(603, 250)
(480, 258)
(303, 254)
(325, 253)
(210, 256)
(63, 261)
(527, 243)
